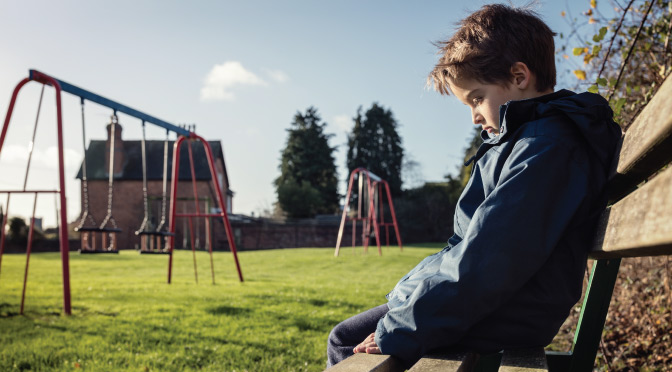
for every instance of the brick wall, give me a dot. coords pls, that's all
(266, 234)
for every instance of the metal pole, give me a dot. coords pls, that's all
(90, 96)
(394, 216)
(372, 212)
(63, 228)
(28, 250)
(221, 202)
(198, 207)
(173, 202)
(193, 248)
(208, 237)
(3, 235)
(368, 219)
(346, 206)
(10, 109)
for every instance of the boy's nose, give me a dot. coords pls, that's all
(476, 118)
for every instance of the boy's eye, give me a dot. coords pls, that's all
(477, 100)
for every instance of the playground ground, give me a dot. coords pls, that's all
(126, 318)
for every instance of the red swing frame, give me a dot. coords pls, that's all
(373, 217)
(63, 223)
(220, 200)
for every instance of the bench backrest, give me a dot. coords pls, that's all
(637, 224)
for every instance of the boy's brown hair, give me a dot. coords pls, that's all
(490, 41)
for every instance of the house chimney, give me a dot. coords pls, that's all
(118, 148)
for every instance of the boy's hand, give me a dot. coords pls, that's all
(368, 346)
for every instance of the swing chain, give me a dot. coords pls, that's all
(86, 216)
(143, 226)
(165, 184)
(32, 141)
(110, 182)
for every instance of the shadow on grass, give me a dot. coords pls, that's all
(227, 310)
(55, 327)
(294, 299)
(8, 310)
(323, 325)
(316, 302)
(86, 311)
(5, 310)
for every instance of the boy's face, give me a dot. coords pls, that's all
(484, 100)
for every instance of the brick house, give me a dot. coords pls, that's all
(128, 203)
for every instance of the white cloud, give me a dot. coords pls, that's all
(277, 75)
(223, 77)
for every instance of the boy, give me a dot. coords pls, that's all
(514, 267)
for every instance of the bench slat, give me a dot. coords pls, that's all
(524, 360)
(446, 363)
(640, 224)
(647, 143)
(362, 362)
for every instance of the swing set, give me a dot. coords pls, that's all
(151, 239)
(370, 210)
(87, 226)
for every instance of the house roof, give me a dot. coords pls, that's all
(132, 167)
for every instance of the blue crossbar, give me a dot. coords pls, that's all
(85, 94)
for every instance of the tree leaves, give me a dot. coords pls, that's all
(307, 169)
(600, 35)
(374, 144)
(619, 67)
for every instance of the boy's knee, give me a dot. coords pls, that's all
(336, 336)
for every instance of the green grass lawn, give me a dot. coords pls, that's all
(125, 316)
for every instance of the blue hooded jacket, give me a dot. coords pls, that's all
(523, 227)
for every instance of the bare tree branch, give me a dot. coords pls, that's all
(613, 37)
(632, 46)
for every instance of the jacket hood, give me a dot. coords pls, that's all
(588, 112)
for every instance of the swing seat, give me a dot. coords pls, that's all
(151, 233)
(154, 233)
(98, 229)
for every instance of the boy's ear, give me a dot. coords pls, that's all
(521, 75)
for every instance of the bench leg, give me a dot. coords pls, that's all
(594, 314)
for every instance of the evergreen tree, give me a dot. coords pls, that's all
(18, 230)
(307, 184)
(374, 144)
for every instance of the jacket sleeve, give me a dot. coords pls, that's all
(510, 236)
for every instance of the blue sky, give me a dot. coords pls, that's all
(239, 70)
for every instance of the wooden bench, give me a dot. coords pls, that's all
(638, 223)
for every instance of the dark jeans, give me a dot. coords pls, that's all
(350, 332)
